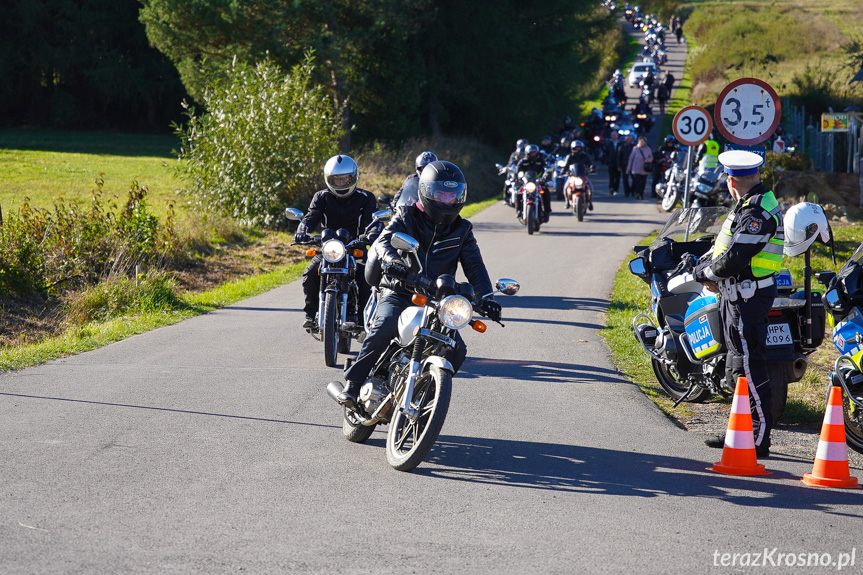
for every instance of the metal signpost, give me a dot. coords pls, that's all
(691, 126)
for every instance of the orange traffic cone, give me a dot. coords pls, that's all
(738, 455)
(831, 459)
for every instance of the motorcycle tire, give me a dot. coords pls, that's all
(531, 221)
(674, 386)
(344, 344)
(354, 431)
(578, 208)
(670, 199)
(853, 419)
(779, 387)
(408, 442)
(330, 335)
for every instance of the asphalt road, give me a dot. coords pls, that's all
(211, 447)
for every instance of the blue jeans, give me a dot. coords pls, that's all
(384, 327)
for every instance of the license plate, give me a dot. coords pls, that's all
(779, 334)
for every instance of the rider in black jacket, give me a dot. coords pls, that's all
(445, 240)
(341, 205)
(579, 156)
(534, 161)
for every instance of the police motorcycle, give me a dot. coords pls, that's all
(683, 335)
(844, 301)
(532, 213)
(339, 291)
(410, 386)
(577, 188)
(709, 188)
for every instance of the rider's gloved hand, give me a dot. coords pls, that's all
(301, 238)
(396, 269)
(363, 240)
(491, 309)
(687, 264)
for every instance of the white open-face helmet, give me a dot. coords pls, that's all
(341, 174)
(804, 222)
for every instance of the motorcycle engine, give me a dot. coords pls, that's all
(665, 345)
(372, 393)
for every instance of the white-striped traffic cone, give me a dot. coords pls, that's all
(738, 455)
(831, 460)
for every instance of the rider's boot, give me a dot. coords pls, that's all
(348, 396)
(309, 322)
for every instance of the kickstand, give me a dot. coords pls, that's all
(684, 396)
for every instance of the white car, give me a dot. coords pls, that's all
(638, 70)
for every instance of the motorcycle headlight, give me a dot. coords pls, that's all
(579, 182)
(703, 188)
(455, 311)
(334, 251)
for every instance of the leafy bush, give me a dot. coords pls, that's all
(776, 165)
(261, 144)
(41, 248)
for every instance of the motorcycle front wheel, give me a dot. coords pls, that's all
(670, 199)
(408, 442)
(674, 386)
(353, 430)
(853, 417)
(578, 207)
(331, 335)
(531, 221)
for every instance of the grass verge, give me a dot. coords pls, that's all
(97, 334)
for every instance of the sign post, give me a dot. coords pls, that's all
(691, 126)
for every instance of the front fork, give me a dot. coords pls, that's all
(414, 372)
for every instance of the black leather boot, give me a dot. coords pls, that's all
(348, 396)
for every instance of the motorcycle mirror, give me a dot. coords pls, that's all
(293, 214)
(824, 278)
(401, 241)
(833, 299)
(637, 267)
(382, 215)
(499, 166)
(386, 200)
(507, 286)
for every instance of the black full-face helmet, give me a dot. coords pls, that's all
(423, 160)
(341, 174)
(532, 151)
(443, 192)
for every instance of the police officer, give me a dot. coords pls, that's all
(341, 205)
(408, 194)
(445, 240)
(746, 256)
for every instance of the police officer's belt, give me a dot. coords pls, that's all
(730, 288)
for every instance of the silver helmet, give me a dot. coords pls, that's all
(341, 174)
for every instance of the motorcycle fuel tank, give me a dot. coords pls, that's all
(409, 320)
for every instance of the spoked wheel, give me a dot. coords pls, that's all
(353, 430)
(331, 335)
(670, 199)
(531, 221)
(578, 207)
(409, 441)
(674, 385)
(853, 422)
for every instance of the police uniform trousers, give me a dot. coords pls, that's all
(384, 327)
(312, 287)
(745, 338)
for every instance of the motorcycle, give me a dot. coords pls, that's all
(410, 385)
(510, 185)
(532, 214)
(671, 189)
(577, 189)
(684, 335)
(710, 188)
(844, 300)
(339, 295)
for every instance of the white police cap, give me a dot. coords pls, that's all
(740, 162)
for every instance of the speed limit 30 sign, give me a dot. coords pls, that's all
(692, 125)
(747, 111)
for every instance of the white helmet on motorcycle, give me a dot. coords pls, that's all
(341, 174)
(804, 223)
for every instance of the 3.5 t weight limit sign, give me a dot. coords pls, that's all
(747, 111)
(692, 125)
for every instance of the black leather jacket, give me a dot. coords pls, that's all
(353, 213)
(441, 249)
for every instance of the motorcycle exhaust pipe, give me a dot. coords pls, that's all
(335, 388)
(799, 368)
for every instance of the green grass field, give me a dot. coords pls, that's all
(42, 165)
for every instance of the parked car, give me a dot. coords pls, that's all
(638, 70)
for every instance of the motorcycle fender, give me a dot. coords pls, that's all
(440, 362)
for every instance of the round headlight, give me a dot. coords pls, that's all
(334, 251)
(455, 311)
